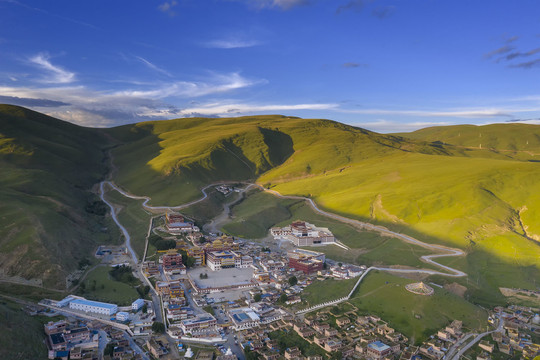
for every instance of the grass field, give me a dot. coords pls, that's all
(133, 217)
(31, 293)
(384, 295)
(327, 290)
(22, 335)
(101, 287)
(260, 211)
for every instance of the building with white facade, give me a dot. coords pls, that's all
(122, 316)
(217, 260)
(93, 306)
(137, 305)
(201, 323)
(244, 318)
(302, 233)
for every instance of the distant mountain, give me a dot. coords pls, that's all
(519, 141)
(426, 183)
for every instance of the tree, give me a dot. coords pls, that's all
(109, 349)
(145, 309)
(293, 280)
(283, 298)
(257, 297)
(186, 259)
(158, 327)
(340, 264)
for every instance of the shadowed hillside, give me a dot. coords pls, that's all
(48, 168)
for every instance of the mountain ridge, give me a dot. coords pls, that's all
(481, 200)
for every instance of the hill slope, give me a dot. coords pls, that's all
(481, 200)
(518, 141)
(48, 167)
(189, 153)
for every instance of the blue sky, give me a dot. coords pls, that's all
(386, 65)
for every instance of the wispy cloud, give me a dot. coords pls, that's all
(15, 100)
(56, 74)
(32, 8)
(511, 39)
(352, 5)
(459, 113)
(383, 12)
(218, 83)
(502, 50)
(279, 4)
(89, 107)
(168, 7)
(231, 43)
(231, 108)
(527, 65)
(518, 54)
(352, 65)
(153, 66)
(386, 126)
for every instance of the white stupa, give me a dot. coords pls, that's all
(189, 353)
(536, 319)
(229, 352)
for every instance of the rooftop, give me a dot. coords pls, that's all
(379, 346)
(94, 303)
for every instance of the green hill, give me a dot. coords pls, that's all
(479, 199)
(47, 167)
(519, 141)
(424, 184)
(186, 154)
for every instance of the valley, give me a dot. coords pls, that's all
(408, 208)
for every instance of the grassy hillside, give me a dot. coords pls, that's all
(520, 141)
(432, 187)
(47, 167)
(434, 184)
(415, 316)
(253, 217)
(171, 160)
(22, 336)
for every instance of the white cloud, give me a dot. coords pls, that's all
(152, 66)
(89, 107)
(231, 43)
(465, 113)
(387, 126)
(56, 74)
(167, 7)
(231, 108)
(218, 83)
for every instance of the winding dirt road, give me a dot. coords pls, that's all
(442, 251)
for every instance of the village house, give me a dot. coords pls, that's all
(301, 233)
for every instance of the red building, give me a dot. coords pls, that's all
(172, 263)
(306, 261)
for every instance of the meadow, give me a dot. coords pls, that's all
(99, 286)
(384, 294)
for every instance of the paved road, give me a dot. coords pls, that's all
(443, 250)
(115, 219)
(381, 229)
(478, 337)
(103, 341)
(136, 347)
